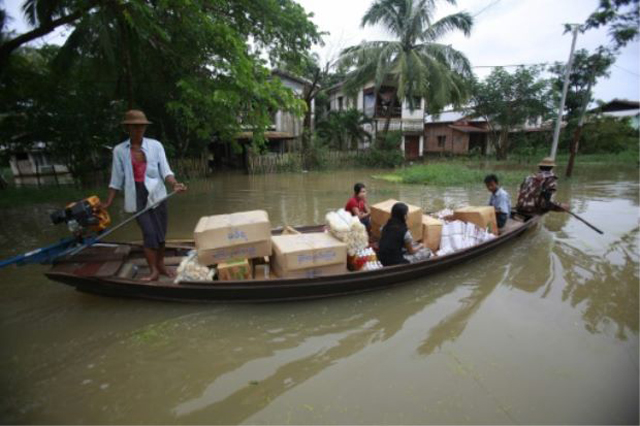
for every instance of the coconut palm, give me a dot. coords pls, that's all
(415, 64)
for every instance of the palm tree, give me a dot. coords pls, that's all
(415, 64)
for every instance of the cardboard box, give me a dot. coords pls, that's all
(261, 272)
(289, 230)
(228, 230)
(320, 271)
(431, 232)
(235, 270)
(303, 251)
(484, 217)
(243, 251)
(243, 235)
(381, 212)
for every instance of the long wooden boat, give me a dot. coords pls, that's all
(111, 270)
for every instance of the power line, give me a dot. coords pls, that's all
(490, 5)
(508, 66)
(624, 69)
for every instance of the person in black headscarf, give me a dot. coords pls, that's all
(396, 243)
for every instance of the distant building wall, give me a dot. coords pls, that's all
(440, 138)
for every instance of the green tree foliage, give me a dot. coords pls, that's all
(609, 135)
(586, 69)
(198, 68)
(343, 129)
(621, 16)
(508, 100)
(416, 64)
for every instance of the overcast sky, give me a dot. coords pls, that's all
(505, 32)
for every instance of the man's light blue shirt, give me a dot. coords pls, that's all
(155, 175)
(501, 201)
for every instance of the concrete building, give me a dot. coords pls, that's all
(378, 108)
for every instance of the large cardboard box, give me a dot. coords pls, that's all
(242, 251)
(320, 271)
(483, 217)
(431, 232)
(304, 251)
(243, 235)
(235, 270)
(381, 212)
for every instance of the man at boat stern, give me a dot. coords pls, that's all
(500, 200)
(140, 169)
(536, 191)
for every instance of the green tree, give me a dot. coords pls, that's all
(415, 63)
(344, 129)
(507, 101)
(197, 68)
(621, 16)
(586, 69)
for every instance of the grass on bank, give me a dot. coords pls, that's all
(62, 195)
(448, 174)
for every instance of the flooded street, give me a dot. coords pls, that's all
(542, 330)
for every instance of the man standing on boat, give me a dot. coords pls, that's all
(536, 191)
(141, 169)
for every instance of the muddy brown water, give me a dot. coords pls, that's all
(543, 330)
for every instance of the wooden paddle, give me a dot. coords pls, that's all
(578, 217)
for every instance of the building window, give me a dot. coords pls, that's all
(369, 100)
(441, 141)
(340, 99)
(416, 102)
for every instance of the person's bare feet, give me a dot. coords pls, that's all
(151, 277)
(166, 271)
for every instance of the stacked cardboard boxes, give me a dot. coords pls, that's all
(308, 255)
(229, 240)
(381, 212)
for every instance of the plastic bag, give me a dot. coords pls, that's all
(191, 270)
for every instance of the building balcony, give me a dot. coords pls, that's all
(406, 125)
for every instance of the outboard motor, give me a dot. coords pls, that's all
(82, 216)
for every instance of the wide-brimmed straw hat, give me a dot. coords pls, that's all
(547, 162)
(135, 116)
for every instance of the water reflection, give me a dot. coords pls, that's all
(73, 358)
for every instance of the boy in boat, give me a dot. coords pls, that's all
(358, 206)
(396, 244)
(536, 191)
(500, 200)
(140, 169)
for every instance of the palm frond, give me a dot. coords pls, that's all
(454, 59)
(460, 21)
(41, 11)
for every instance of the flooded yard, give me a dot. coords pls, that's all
(542, 330)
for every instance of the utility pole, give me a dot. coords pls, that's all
(565, 86)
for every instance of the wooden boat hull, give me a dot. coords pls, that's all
(279, 289)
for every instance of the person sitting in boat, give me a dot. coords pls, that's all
(536, 191)
(396, 245)
(141, 169)
(500, 200)
(358, 206)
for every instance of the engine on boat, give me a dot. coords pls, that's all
(83, 216)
